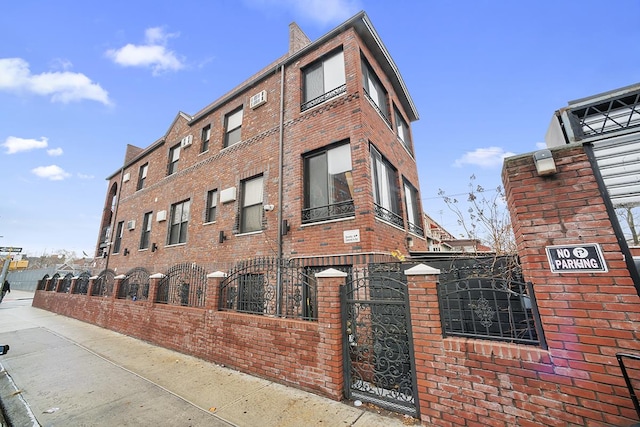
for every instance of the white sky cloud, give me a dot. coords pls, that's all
(484, 157)
(152, 54)
(61, 86)
(55, 152)
(14, 144)
(52, 172)
(85, 176)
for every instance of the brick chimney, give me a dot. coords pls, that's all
(297, 38)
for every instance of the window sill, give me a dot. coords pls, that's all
(390, 223)
(249, 233)
(327, 221)
(175, 245)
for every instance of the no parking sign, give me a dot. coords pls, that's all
(584, 258)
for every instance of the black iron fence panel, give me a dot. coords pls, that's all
(82, 283)
(103, 285)
(66, 283)
(135, 285)
(378, 346)
(183, 284)
(51, 286)
(42, 284)
(272, 287)
(490, 308)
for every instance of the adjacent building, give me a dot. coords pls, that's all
(608, 125)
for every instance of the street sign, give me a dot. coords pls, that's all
(584, 258)
(10, 249)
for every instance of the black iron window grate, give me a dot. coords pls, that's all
(324, 213)
(388, 216)
(324, 97)
(490, 308)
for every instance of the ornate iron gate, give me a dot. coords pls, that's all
(378, 347)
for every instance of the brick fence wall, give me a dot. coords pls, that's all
(587, 318)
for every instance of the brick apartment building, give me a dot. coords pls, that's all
(311, 160)
(310, 157)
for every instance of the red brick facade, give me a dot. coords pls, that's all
(349, 117)
(586, 317)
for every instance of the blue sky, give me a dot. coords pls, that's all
(80, 80)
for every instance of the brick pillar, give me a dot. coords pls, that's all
(587, 316)
(74, 282)
(330, 356)
(92, 281)
(213, 289)
(117, 285)
(154, 279)
(422, 283)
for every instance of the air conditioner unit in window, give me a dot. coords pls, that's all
(186, 141)
(131, 224)
(258, 99)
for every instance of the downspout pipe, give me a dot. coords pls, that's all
(280, 195)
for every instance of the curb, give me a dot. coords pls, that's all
(15, 410)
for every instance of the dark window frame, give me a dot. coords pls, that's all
(233, 135)
(205, 137)
(172, 166)
(255, 208)
(315, 77)
(117, 238)
(385, 188)
(369, 78)
(142, 176)
(402, 130)
(212, 205)
(177, 232)
(317, 165)
(145, 233)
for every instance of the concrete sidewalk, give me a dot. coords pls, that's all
(63, 372)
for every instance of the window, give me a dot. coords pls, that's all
(212, 202)
(328, 185)
(146, 230)
(179, 222)
(323, 80)
(403, 130)
(174, 156)
(413, 209)
(251, 212)
(206, 135)
(233, 126)
(118, 237)
(385, 189)
(374, 89)
(142, 175)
